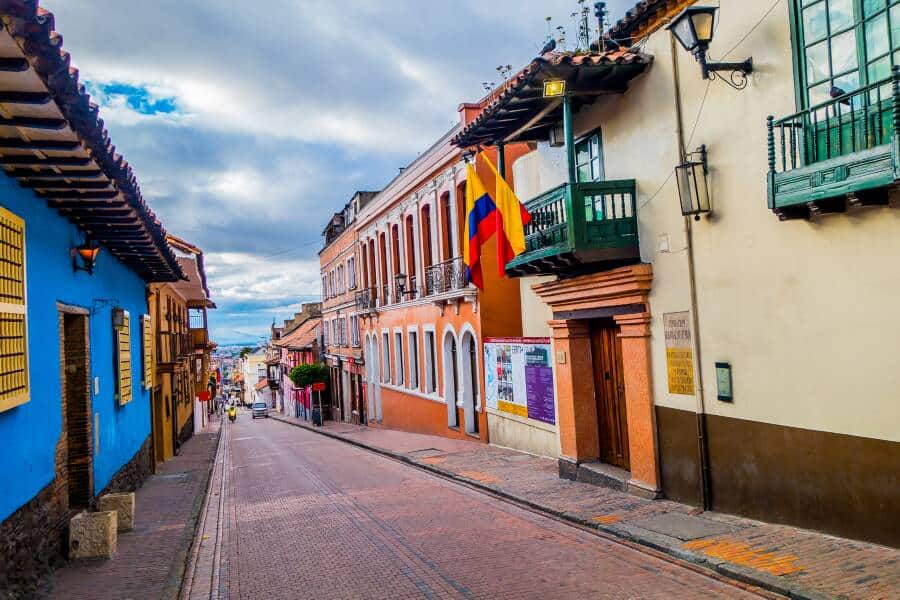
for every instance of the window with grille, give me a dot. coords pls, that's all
(14, 388)
(147, 350)
(123, 359)
(845, 45)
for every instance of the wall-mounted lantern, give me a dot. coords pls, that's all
(400, 280)
(694, 29)
(87, 252)
(693, 190)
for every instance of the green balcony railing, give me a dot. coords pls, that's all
(576, 225)
(845, 148)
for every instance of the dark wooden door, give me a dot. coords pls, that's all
(609, 392)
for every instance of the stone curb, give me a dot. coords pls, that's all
(175, 580)
(723, 568)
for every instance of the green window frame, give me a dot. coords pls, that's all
(847, 44)
(589, 157)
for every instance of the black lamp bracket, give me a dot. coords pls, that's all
(737, 71)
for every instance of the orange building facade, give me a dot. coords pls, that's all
(422, 325)
(340, 323)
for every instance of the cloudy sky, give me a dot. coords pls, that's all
(249, 123)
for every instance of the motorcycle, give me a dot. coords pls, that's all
(232, 414)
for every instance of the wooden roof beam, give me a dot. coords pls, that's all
(97, 195)
(12, 97)
(37, 161)
(52, 184)
(49, 174)
(34, 123)
(10, 64)
(20, 144)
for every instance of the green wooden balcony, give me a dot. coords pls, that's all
(837, 154)
(578, 227)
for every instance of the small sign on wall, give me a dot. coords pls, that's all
(679, 352)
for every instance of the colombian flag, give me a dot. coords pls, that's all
(481, 223)
(511, 219)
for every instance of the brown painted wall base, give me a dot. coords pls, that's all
(840, 484)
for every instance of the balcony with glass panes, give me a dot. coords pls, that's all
(840, 148)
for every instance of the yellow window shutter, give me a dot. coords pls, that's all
(123, 348)
(14, 386)
(147, 343)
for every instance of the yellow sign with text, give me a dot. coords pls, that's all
(679, 353)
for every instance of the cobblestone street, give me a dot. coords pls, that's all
(304, 516)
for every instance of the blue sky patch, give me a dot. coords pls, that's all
(138, 98)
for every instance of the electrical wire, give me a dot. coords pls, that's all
(706, 94)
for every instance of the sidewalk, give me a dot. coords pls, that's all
(795, 562)
(151, 559)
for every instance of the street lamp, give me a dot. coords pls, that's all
(400, 280)
(694, 29)
(693, 189)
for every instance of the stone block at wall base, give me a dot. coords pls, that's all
(123, 506)
(93, 535)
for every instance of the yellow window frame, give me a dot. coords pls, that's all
(147, 348)
(123, 355)
(15, 388)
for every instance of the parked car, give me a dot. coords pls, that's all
(260, 409)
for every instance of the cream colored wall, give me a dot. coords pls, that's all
(804, 311)
(510, 431)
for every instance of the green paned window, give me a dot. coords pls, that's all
(845, 44)
(589, 158)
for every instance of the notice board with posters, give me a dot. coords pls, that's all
(519, 378)
(679, 352)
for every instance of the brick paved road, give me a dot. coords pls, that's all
(309, 517)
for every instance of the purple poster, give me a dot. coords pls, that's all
(519, 378)
(539, 385)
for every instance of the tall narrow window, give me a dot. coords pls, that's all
(398, 358)
(123, 359)
(413, 359)
(147, 350)
(14, 386)
(430, 364)
(589, 158)
(411, 269)
(446, 239)
(425, 226)
(386, 358)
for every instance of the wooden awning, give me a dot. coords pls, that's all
(521, 113)
(53, 141)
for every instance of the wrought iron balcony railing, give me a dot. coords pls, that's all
(445, 277)
(365, 299)
(577, 224)
(842, 149)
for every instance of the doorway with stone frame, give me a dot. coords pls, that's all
(77, 429)
(605, 313)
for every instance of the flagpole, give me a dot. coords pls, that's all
(501, 159)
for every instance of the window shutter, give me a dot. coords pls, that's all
(123, 351)
(147, 341)
(14, 389)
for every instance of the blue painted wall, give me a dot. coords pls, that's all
(29, 433)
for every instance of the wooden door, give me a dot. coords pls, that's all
(609, 392)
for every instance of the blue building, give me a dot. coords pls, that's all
(78, 248)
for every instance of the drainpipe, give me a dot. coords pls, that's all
(569, 133)
(702, 446)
